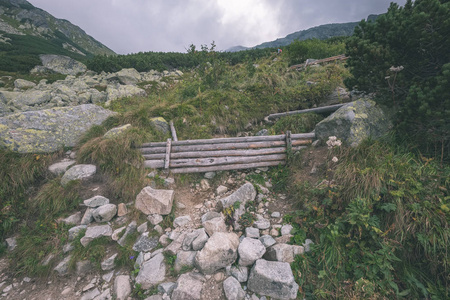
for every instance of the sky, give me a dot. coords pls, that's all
(132, 26)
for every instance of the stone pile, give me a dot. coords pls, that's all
(247, 262)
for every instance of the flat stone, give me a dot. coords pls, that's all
(72, 219)
(117, 131)
(166, 287)
(145, 243)
(78, 172)
(267, 240)
(286, 229)
(90, 295)
(131, 228)
(215, 225)
(232, 289)
(221, 190)
(74, 231)
(87, 218)
(251, 232)
(262, 224)
(122, 209)
(249, 251)
(109, 264)
(61, 167)
(96, 201)
(116, 233)
(276, 214)
(122, 287)
(95, 232)
(240, 273)
(184, 259)
(63, 267)
(181, 221)
(152, 272)
(189, 287)
(155, 219)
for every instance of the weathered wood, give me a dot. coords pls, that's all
(288, 141)
(227, 146)
(214, 161)
(154, 164)
(303, 136)
(323, 109)
(167, 158)
(228, 167)
(174, 132)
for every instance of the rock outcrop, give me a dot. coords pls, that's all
(49, 130)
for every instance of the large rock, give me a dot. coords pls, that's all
(104, 213)
(31, 98)
(250, 250)
(62, 64)
(273, 279)
(23, 84)
(152, 272)
(354, 122)
(78, 172)
(125, 76)
(49, 130)
(189, 287)
(219, 251)
(283, 252)
(61, 167)
(153, 201)
(122, 91)
(244, 194)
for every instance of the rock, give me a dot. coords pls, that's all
(200, 241)
(275, 214)
(104, 213)
(72, 219)
(116, 233)
(31, 98)
(90, 295)
(84, 267)
(204, 184)
(190, 238)
(215, 225)
(78, 172)
(142, 228)
(11, 243)
(155, 219)
(232, 289)
(87, 218)
(166, 287)
(126, 76)
(131, 228)
(22, 84)
(249, 251)
(63, 267)
(181, 221)
(145, 243)
(244, 194)
(122, 210)
(262, 132)
(262, 224)
(176, 244)
(122, 91)
(48, 130)
(153, 201)
(306, 245)
(267, 240)
(219, 251)
(189, 287)
(117, 131)
(61, 167)
(122, 287)
(286, 229)
(156, 297)
(62, 64)
(240, 273)
(273, 279)
(106, 295)
(164, 240)
(160, 125)
(210, 175)
(108, 264)
(221, 190)
(152, 272)
(95, 232)
(283, 252)
(96, 201)
(184, 259)
(74, 231)
(354, 122)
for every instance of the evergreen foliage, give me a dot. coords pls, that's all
(403, 57)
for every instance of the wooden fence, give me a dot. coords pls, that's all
(320, 61)
(191, 156)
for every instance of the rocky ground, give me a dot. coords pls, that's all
(213, 256)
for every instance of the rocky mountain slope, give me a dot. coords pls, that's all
(27, 31)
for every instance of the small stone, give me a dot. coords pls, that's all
(232, 289)
(180, 205)
(262, 224)
(166, 287)
(275, 214)
(108, 264)
(145, 243)
(74, 231)
(274, 232)
(240, 273)
(286, 229)
(11, 243)
(155, 219)
(142, 228)
(104, 213)
(122, 287)
(210, 175)
(204, 184)
(74, 219)
(267, 240)
(252, 232)
(121, 210)
(108, 276)
(181, 221)
(221, 190)
(306, 245)
(158, 229)
(115, 235)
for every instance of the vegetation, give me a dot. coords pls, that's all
(403, 58)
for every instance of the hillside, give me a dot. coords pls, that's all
(27, 31)
(321, 32)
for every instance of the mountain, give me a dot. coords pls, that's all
(321, 32)
(27, 31)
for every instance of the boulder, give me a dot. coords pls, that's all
(190, 238)
(117, 131)
(96, 201)
(62, 64)
(61, 167)
(31, 98)
(49, 130)
(273, 279)
(184, 259)
(160, 124)
(152, 272)
(354, 122)
(22, 84)
(153, 201)
(189, 287)
(122, 91)
(125, 76)
(104, 213)
(233, 289)
(78, 172)
(250, 250)
(219, 251)
(242, 195)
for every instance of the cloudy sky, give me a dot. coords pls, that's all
(131, 26)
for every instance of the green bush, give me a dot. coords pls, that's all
(403, 58)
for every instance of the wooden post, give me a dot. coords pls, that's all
(168, 148)
(174, 132)
(288, 141)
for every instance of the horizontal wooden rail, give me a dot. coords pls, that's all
(223, 154)
(318, 110)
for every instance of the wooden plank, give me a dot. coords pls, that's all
(303, 136)
(174, 132)
(228, 160)
(228, 167)
(323, 109)
(154, 164)
(167, 158)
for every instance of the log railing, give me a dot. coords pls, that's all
(191, 156)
